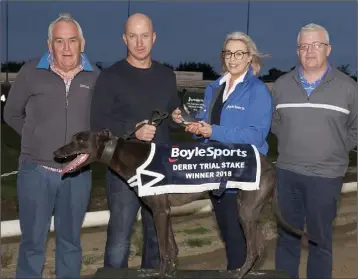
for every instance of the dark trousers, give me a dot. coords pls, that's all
(226, 212)
(123, 204)
(39, 192)
(313, 200)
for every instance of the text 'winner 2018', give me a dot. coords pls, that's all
(222, 169)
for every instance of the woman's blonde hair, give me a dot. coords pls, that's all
(256, 61)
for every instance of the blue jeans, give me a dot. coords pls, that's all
(226, 212)
(39, 192)
(123, 204)
(314, 200)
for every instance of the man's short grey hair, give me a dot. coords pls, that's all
(313, 27)
(64, 17)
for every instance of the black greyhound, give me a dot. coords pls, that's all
(125, 156)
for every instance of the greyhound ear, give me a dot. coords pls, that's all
(105, 133)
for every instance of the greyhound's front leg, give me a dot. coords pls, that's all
(161, 219)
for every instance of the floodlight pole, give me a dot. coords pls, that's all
(128, 13)
(248, 17)
(7, 41)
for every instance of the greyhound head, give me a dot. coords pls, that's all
(85, 147)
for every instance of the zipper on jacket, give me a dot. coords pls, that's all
(66, 99)
(66, 107)
(66, 104)
(313, 91)
(299, 84)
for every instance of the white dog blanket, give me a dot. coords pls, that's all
(198, 167)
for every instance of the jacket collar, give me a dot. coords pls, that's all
(329, 75)
(248, 75)
(44, 62)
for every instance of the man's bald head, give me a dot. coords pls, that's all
(139, 38)
(138, 19)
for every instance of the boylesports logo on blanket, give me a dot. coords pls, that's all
(177, 153)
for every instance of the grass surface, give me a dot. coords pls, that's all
(198, 242)
(199, 230)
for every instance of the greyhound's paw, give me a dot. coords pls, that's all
(172, 268)
(161, 275)
(238, 274)
(158, 276)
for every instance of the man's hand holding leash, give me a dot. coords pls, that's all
(147, 132)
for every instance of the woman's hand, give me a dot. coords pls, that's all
(193, 127)
(205, 129)
(199, 128)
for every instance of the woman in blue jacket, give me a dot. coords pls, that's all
(237, 109)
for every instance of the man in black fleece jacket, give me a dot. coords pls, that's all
(125, 95)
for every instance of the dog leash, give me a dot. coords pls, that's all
(109, 148)
(155, 119)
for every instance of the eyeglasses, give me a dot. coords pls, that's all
(315, 45)
(237, 54)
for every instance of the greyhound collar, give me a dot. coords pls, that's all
(108, 150)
